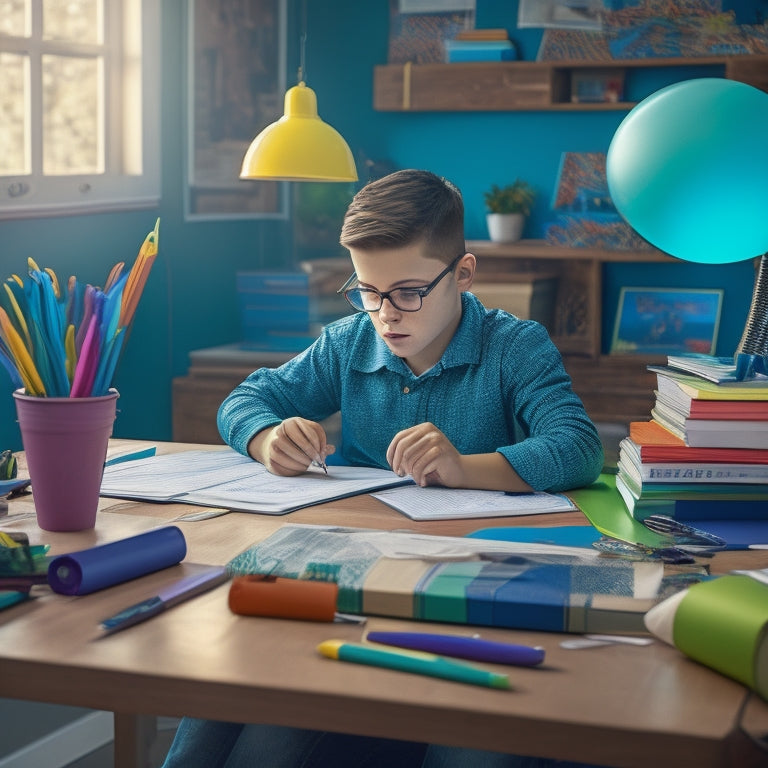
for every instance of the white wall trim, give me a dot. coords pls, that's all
(64, 745)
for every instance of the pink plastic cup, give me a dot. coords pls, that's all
(65, 441)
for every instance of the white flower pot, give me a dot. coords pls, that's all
(505, 227)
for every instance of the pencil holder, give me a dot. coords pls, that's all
(65, 442)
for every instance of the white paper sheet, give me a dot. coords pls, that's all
(433, 503)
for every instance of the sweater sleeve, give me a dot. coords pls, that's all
(304, 386)
(561, 448)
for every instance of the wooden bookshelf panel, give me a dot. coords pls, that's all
(527, 85)
(462, 87)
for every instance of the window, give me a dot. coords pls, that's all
(79, 106)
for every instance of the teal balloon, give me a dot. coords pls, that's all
(688, 170)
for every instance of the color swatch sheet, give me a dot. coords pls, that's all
(463, 580)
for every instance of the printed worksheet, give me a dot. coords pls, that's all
(433, 503)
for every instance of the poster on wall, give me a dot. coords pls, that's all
(235, 88)
(418, 29)
(561, 14)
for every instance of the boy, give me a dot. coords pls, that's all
(429, 383)
(427, 380)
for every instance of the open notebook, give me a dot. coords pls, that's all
(225, 478)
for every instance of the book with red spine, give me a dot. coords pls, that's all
(658, 444)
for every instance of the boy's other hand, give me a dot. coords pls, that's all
(290, 447)
(426, 454)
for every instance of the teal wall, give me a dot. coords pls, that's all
(190, 299)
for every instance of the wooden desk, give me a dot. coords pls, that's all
(615, 705)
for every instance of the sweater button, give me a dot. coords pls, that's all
(406, 390)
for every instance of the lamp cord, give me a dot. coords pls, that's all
(754, 340)
(303, 44)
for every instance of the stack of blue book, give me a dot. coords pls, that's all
(480, 45)
(275, 311)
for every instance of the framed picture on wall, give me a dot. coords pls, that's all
(666, 321)
(236, 52)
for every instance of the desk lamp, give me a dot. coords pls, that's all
(299, 146)
(688, 169)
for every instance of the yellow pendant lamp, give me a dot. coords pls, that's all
(299, 146)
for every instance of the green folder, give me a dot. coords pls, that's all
(603, 507)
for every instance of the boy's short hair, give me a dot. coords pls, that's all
(403, 208)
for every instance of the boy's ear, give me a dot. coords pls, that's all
(465, 274)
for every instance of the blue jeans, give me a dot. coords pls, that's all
(212, 744)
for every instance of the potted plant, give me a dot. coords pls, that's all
(508, 207)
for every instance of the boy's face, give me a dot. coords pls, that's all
(421, 337)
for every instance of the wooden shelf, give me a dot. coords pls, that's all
(541, 249)
(614, 388)
(527, 85)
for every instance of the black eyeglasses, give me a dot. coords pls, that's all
(404, 299)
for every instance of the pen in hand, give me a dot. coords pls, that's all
(315, 462)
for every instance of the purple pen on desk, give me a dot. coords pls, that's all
(462, 647)
(176, 593)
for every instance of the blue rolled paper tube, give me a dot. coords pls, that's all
(88, 570)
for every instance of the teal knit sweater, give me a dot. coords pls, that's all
(499, 386)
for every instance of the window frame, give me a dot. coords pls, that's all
(132, 34)
(242, 199)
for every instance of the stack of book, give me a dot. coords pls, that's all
(275, 311)
(480, 45)
(287, 311)
(708, 414)
(704, 454)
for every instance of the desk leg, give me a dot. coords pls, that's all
(134, 735)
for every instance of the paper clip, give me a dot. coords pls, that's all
(671, 554)
(686, 537)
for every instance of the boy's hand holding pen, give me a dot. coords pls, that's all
(290, 447)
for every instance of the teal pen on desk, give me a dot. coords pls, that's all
(412, 661)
